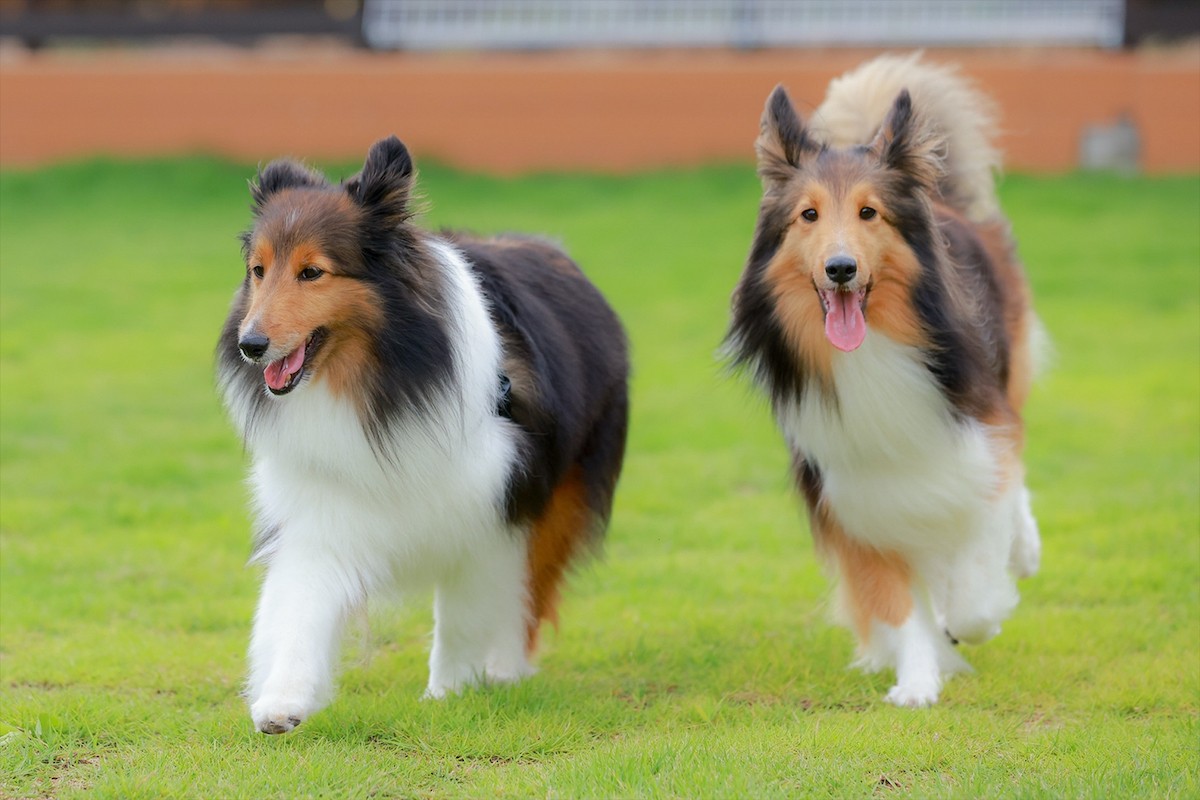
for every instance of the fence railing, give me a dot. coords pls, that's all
(534, 24)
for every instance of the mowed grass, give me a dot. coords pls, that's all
(695, 659)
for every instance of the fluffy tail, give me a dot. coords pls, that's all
(957, 113)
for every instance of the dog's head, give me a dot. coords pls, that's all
(310, 295)
(838, 218)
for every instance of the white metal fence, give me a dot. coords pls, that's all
(534, 24)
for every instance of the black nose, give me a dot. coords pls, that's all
(253, 345)
(841, 269)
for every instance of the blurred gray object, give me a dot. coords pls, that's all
(1115, 146)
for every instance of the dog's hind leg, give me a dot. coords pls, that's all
(578, 510)
(480, 617)
(557, 535)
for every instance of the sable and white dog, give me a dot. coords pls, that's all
(420, 410)
(883, 310)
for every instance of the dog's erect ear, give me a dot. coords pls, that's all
(385, 183)
(906, 145)
(783, 142)
(282, 174)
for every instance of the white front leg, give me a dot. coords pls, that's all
(918, 678)
(305, 601)
(919, 651)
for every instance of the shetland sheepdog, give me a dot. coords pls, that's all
(421, 410)
(883, 311)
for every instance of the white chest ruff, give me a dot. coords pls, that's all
(318, 481)
(898, 469)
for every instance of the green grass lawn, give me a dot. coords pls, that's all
(695, 659)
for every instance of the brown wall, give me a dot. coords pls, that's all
(510, 113)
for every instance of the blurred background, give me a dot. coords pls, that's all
(512, 86)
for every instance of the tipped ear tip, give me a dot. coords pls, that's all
(390, 154)
(903, 101)
(390, 147)
(288, 168)
(282, 173)
(386, 176)
(779, 112)
(276, 165)
(779, 98)
(391, 143)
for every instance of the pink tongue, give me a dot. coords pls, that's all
(278, 372)
(845, 327)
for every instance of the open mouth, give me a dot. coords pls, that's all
(285, 374)
(845, 319)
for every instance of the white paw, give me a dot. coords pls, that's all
(975, 630)
(912, 695)
(450, 681)
(277, 714)
(1026, 557)
(436, 692)
(509, 670)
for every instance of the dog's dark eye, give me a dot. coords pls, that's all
(257, 270)
(310, 273)
(866, 212)
(809, 214)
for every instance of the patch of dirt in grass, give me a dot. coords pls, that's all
(641, 697)
(42, 686)
(71, 773)
(753, 698)
(885, 783)
(1040, 722)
